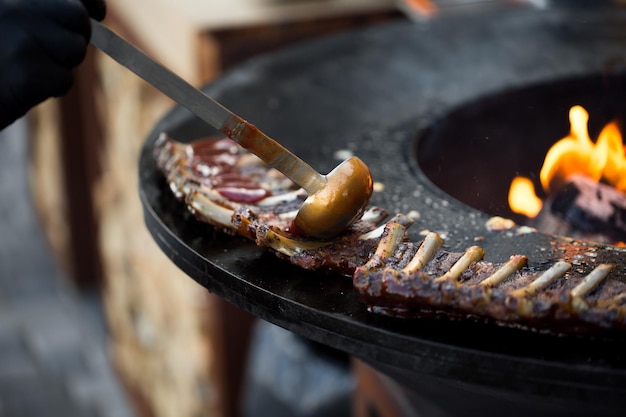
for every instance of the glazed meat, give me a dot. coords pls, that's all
(227, 187)
(462, 285)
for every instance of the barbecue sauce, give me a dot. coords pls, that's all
(216, 159)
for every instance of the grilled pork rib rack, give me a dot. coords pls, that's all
(231, 189)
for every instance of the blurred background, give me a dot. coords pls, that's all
(94, 319)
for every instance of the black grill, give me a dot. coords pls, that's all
(392, 94)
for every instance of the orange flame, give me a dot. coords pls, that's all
(604, 160)
(523, 199)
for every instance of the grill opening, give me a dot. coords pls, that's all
(474, 152)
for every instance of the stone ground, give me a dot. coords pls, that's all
(53, 358)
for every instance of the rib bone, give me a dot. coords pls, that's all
(392, 236)
(515, 263)
(591, 281)
(471, 255)
(427, 250)
(557, 270)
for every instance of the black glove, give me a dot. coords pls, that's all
(40, 42)
(95, 8)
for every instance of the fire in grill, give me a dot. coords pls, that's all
(585, 183)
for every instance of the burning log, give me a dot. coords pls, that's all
(585, 208)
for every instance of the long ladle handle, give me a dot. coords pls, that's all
(209, 110)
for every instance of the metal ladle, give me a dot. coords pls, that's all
(334, 201)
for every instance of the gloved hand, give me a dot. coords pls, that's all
(41, 41)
